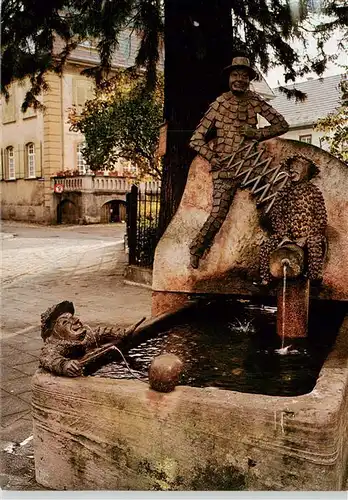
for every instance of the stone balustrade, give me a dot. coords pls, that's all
(111, 184)
(74, 183)
(92, 183)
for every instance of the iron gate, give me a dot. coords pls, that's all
(142, 223)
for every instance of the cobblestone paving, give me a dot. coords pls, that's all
(41, 266)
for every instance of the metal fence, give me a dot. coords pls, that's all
(142, 223)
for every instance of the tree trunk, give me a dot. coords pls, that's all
(198, 45)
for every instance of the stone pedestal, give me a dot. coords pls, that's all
(164, 302)
(293, 318)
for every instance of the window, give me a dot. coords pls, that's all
(30, 160)
(30, 112)
(83, 90)
(80, 161)
(130, 170)
(9, 107)
(89, 44)
(306, 138)
(10, 160)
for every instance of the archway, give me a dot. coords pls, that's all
(67, 212)
(113, 211)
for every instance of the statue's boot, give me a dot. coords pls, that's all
(194, 260)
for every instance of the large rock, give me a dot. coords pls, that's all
(232, 265)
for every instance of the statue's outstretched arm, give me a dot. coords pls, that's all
(101, 335)
(104, 335)
(278, 123)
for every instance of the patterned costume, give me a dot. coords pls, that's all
(228, 114)
(299, 215)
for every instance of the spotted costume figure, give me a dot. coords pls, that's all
(298, 215)
(233, 115)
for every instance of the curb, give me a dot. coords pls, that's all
(6, 236)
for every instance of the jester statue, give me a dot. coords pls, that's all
(233, 117)
(69, 342)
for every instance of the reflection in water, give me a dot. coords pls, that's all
(234, 348)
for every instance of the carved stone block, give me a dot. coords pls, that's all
(104, 434)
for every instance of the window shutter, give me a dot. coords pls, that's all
(76, 148)
(38, 162)
(16, 161)
(5, 164)
(19, 162)
(30, 112)
(89, 91)
(2, 165)
(24, 158)
(80, 93)
(74, 91)
(9, 108)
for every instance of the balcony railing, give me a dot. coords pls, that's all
(90, 182)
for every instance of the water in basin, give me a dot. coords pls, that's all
(232, 345)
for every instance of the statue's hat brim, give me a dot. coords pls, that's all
(51, 314)
(242, 63)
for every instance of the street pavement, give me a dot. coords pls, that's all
(42, 266)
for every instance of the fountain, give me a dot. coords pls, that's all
(265, 231)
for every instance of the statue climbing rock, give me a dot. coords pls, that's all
(233, 116)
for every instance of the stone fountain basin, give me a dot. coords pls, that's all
(106, 434)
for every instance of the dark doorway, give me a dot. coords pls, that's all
(67, 212)
(113, 211)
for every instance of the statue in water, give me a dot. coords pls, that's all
(69, 342)
(233, 115)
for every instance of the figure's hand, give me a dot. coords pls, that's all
(106, 333)
(72, 369)
(111, 332)
(215, 164)
(285, 241)
(249, 132)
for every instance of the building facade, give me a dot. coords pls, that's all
(323, 97)
(39, 151)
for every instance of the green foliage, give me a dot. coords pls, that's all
(39, 35)
(336, 127)
(122, 121)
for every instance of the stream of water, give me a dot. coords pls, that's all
(284, 306)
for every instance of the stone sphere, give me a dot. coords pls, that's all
(164, 372)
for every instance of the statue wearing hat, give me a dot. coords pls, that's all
(68, 340)
(233, 115)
